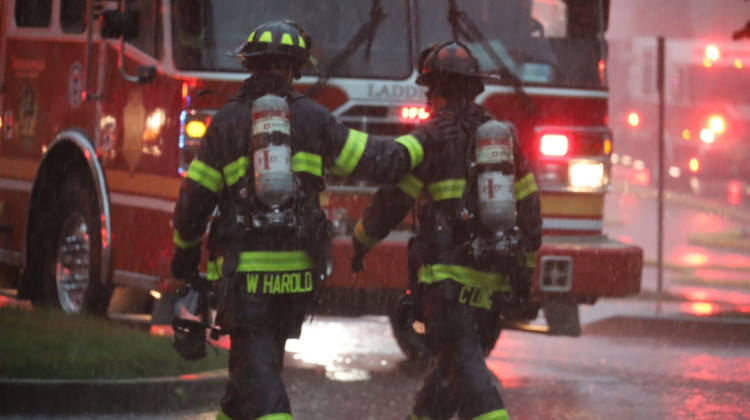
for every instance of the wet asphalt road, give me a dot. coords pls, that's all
(352, 369)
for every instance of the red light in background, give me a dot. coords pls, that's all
(642, 177)
(717, 124)
(554, 145)
(634, 119)
(712, 52)
(414, 113)
(734, 192)
(694, 164)
(694, 258)
(701, 308)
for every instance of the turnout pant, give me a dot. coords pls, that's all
(459, 380)
(261, 325)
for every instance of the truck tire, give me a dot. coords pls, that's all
(413, 345)
(71, 275)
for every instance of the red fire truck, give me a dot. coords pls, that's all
(104, 103)
(707, 120)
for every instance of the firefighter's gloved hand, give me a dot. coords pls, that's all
(185, 263)
(359, 253)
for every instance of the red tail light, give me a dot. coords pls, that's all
(554, 145)
(414, 113)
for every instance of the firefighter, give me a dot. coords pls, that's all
(459, 293)
(274, 238)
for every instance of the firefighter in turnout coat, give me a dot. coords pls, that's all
(271, 259)
(459, 294)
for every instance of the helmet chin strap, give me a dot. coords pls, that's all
(276, 72)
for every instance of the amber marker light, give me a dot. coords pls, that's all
(195, 129)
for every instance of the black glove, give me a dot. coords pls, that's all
(185, 263)
(359, 253)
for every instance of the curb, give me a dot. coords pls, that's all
(681, 329)
(76, 397)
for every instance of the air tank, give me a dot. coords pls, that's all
(495, 170)
(271, 151)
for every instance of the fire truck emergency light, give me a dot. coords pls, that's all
(694, 165)
(707, 136)
(414, 113)
(712, 52)
(634, 119)
(554, 145)
(717, 124)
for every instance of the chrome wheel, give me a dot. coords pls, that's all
(72, 274)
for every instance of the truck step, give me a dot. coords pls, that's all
(11, 293)
(524, 326)
(134, 320)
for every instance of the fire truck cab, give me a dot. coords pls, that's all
(104, 104)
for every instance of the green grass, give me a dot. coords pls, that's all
(46, 344)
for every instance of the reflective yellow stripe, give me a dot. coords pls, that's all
(350, 154)
(411, 185)
(362, 236)
(236, 170)
(275, 261)
(286, 39)
(276, 416)
(302, 43)
(213, 271)
(525, 186)
(250, 38)
(494, 415)
(531, 259)
(307, 162)
(494, 282)
(447, 189)
(266, 37)
(181, 243)
(205, 175)
(414, 147)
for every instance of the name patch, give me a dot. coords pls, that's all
(280, 283)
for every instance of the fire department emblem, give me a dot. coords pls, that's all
(134, 117)
(75, 84)
(28, 111)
